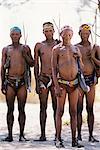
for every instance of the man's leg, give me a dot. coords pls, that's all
(79, 113)
(10, 98)
(43, 96)
(73, 99)
(21, 97)
(89, 107)
(59, 114)
(54, 103)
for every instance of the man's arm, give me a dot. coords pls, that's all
(36, 65)
(78, 54)
(3, 71)
(27, 55)
(96, 52)
(80, 58)
(54, 64)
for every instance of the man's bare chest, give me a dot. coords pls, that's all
(66, 53)
(15, 55)
(86, 52)
(45, 52)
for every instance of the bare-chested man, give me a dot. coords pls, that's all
(43, 72)
(90, 79)
(65, 70)
(14, 59)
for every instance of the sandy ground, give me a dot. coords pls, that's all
(32, 129)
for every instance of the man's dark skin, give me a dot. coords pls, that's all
(96, 51)
(95, 56)
(18, 57)
(89, 73)
(43, 51)
(64, 71)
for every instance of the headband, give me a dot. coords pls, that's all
(66, 28)
(48, 26)
(16, 29)
(85, 27)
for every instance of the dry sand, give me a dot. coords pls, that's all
(32, 129)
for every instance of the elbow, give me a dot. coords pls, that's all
(32, 64)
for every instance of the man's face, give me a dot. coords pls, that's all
(84, 34)
(67, 35)
(48, 33)
(15, 36)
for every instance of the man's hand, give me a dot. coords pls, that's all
(57, 91)
(37, 87)
(78, 55)
(3, 89)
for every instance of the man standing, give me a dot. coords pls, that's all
(90, 79)
(43, 74)
(65, 70)
(14, 59)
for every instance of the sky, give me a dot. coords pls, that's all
(32, 14)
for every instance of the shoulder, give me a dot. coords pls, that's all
(96, 47)
(78, 45)
(25, 46)
(58, 46)
(38, 45)
(5, 49)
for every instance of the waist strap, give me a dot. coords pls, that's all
(70, 83)
(42, 85)
(16, 81)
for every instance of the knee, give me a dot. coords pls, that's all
(10, 110)
(89, 110)
(43, 107)
(21, 109)
(60, 112)
(79, 109)
(73, 113)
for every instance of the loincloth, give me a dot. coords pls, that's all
(90, 79)
(45, 81)
(15, 83)
(70, 86)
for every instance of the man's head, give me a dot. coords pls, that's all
(48, 29)
(15, 34)
(84, 31)
(66, 32)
